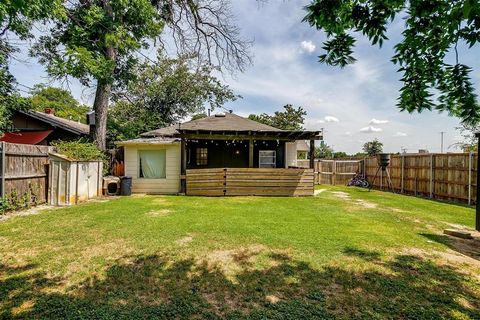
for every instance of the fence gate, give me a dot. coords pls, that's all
(337, 172)
(23, 172)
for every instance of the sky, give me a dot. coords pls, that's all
(353, 105)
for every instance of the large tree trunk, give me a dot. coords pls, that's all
(100, 106)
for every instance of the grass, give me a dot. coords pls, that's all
(346, 253)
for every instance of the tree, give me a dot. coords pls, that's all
(324, 151)
(16, 18)
(164, 94)
(373, 147)
(62, 101)
(432, 30)
(99, 42)
(290, 119)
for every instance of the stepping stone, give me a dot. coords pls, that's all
(458, 233)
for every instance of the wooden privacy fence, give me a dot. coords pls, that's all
(250, 182)
(24, 172)
(450, 176)
(334, 172)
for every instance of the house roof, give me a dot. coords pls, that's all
(57, 122)
(302, 145)
(147, 141)
(215, 123)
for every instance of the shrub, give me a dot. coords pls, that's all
(79, 150)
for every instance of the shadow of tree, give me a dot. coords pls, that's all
(468, 247)
(158, 287)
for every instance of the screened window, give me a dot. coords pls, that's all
(152, 164)
(266, 159)
(202, 156)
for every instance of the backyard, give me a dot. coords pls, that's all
(345, 253)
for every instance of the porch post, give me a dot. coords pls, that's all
(183, 167)
(477, 219)
(312, 154)
(250, 153)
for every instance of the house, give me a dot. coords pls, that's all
(160, 160)
(41, 128)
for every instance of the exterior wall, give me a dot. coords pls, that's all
(168, 185)
(290, 154)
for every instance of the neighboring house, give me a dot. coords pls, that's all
(159, 159)
(41, 128)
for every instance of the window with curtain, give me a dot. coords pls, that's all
(152, 164)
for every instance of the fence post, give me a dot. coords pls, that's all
(470, 156)
(402, 186)
(431, 176)
(334, 172)
(2, 186)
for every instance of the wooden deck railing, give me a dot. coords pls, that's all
(250, 182)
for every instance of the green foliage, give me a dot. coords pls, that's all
(290, 119)
(324, 151)
(62, 101)
(78, 150)
(14, 201)
(97, 40)
(164, 94)
(432, 29)
(373, 147)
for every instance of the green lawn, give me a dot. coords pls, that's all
(346, 253)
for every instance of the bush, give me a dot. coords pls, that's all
(79, 150)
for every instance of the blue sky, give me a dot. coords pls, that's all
(354, 105)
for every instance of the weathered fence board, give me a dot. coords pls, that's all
(24, 172)
(250, 181)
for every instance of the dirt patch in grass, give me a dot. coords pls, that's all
(185, 240)
(366, 204)
(27, 212)
(341, 195)
(159, 213)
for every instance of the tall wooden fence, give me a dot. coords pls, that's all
(450, 176)
(334, 172)
(250, 181)
(24, 172)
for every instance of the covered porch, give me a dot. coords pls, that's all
(228, 163)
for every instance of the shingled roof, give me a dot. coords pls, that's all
(215, 123)
(69, 125)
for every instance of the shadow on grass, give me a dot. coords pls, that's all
(155, 287)
(468, 247)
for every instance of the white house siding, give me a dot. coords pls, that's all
(169, 185)
(291, 154)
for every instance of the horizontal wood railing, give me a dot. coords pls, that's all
(250, 181)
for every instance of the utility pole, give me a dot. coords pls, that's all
(441, 140)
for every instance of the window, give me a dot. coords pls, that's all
(301, 155)
(266, 159)
(202, 156)
(152, 164)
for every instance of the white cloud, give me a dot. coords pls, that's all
(377, 122)
(371, 129)
(331, 119)
(307, 46)
(400, 134)
(348, 133)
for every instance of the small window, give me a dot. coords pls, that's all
(301, 155)
(266, 159)
(152, 164)
(202, 156)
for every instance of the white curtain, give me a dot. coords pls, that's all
(152, 163)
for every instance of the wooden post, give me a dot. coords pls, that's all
(183, 166)
(334, 172)
(312, 154)
(470, 156)
(431, 176)
(402, 183)
(477, 219)
(250, 153)
(2, 186)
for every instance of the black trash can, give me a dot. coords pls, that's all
(126, 186)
